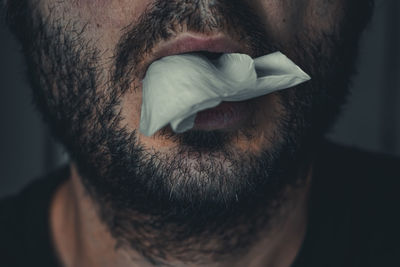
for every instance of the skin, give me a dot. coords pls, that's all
(75, 225)
(82, 240)
(81, 236)
(105, 20)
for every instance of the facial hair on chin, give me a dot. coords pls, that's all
(127, 182)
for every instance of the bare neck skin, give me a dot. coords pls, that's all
(81, 239)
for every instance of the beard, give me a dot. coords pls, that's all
(164, 203)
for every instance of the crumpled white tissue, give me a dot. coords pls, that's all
(176, 87)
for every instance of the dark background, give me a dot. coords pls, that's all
(371, 119)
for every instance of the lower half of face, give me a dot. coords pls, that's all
(97, 116)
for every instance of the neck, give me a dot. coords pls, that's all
(82, 239)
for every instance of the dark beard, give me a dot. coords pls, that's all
(139, 196)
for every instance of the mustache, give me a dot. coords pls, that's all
(164, 20)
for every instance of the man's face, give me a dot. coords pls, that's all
(86, 60)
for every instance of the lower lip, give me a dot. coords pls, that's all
(225, 115)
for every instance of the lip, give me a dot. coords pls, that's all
(227, 115)
(190, 42)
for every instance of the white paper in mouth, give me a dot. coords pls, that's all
(176, 87)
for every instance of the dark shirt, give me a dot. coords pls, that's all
(353, 220)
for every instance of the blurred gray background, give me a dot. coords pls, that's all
(370, 121)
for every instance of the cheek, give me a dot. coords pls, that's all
(285, 18)
(103, 20)
(325, 15)
(281, 18)
(115, 14)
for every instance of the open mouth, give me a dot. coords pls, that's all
(210, 47)
(209, 55)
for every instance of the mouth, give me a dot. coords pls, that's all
(210, 46)
(210, 55)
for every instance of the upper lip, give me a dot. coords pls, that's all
(189, 42)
